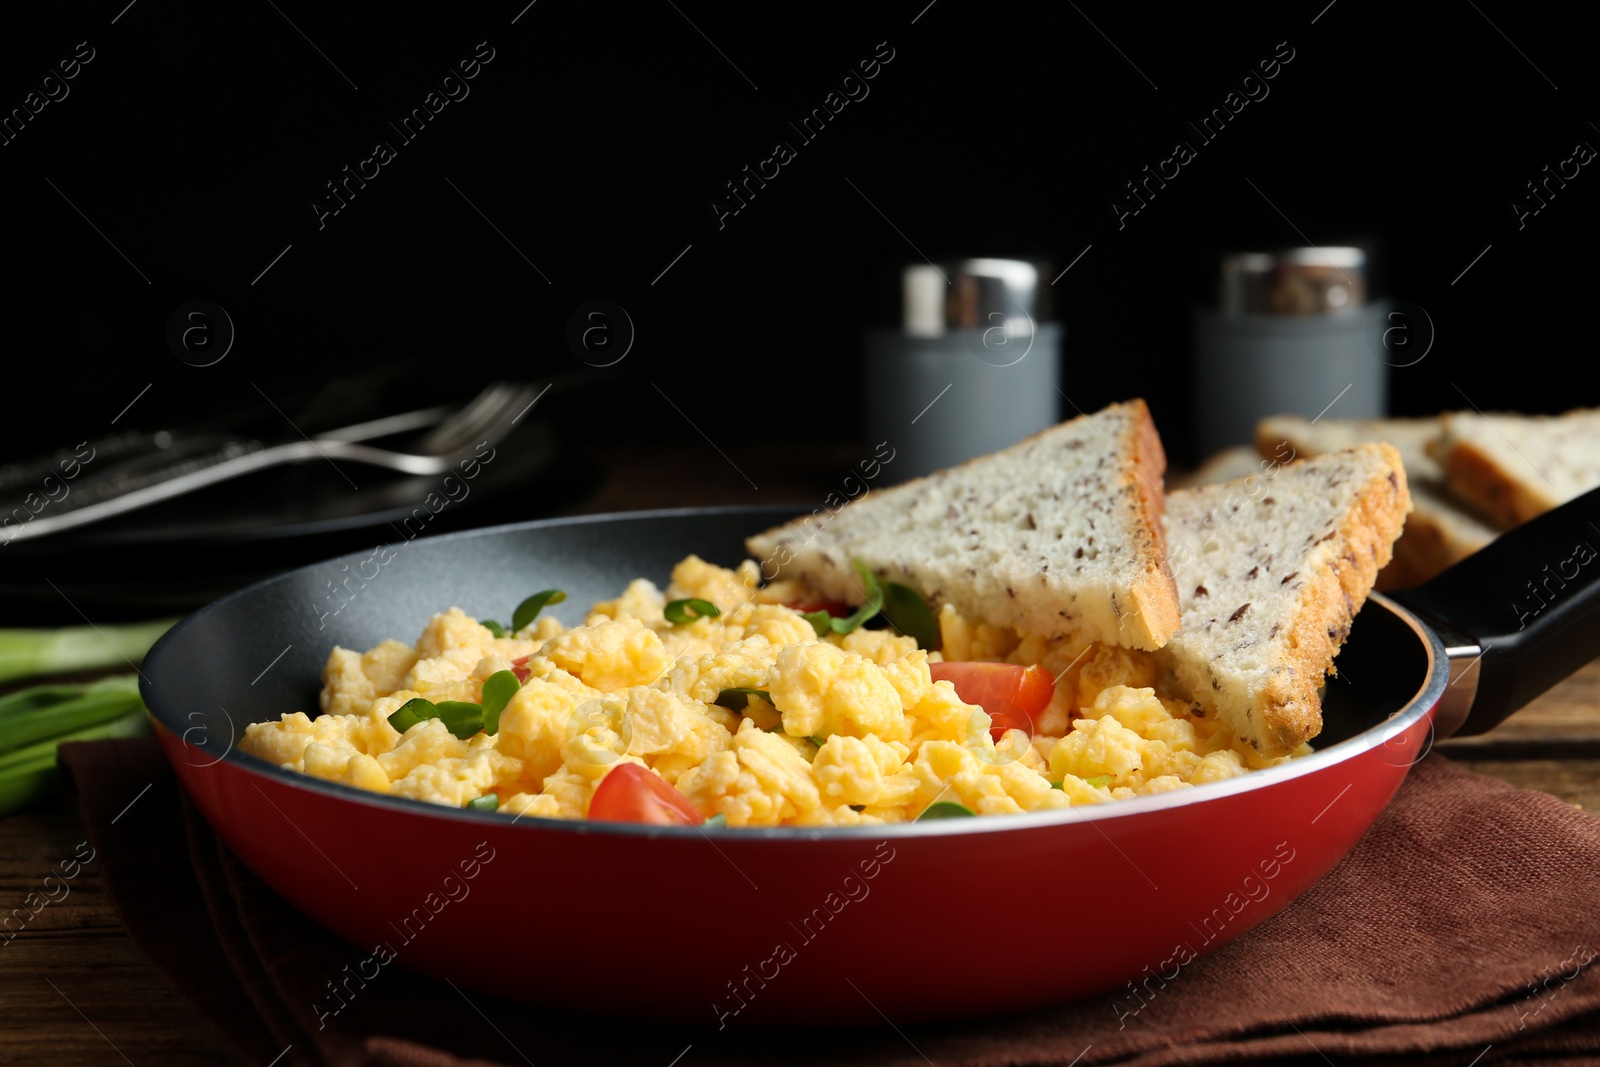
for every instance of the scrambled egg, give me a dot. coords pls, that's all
(856, 730)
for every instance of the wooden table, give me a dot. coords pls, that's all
(74, 989)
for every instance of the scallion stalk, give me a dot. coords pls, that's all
(98, 702)
(26, 785)
(132, 724)
(24, 653)
(28, 774)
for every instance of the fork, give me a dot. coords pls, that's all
(485, 419)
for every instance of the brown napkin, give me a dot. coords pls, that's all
(1461, 927)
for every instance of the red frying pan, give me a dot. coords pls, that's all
(731, 927)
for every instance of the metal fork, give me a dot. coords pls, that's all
(487, 418)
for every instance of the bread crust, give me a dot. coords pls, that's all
(1344, 569)
(1155, 592)
(1433, 540)
(1495, 493)
(1421, 552)
(1144, 614)
(1439, 533)
(1403, 573)
(1268, 694)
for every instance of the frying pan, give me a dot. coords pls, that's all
(734, 927)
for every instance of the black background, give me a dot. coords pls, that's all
(595, 139)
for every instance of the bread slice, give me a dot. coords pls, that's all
(1060, 533)
(1439, 533)
(1225, 466)
(1409, 436)
(1512, 468)
(1271, 572)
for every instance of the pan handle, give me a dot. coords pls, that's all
(1528, 602)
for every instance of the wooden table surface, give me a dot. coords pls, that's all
(74, 989)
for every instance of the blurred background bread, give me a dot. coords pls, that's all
(1512, 468)
(1472, 475)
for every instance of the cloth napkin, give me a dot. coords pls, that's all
(1462, 928)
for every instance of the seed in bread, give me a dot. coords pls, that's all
(1270, 577)
(1061, 533)
(1440, 531)
(1512, 468)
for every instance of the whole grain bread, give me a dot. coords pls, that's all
(1225, 466)
(1061, 533)
(1271, 571)
(1440, 531)
(1511, 468)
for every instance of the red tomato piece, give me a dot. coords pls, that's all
(519, 667)
(630, 793)
(1012, 695)
(837, 608)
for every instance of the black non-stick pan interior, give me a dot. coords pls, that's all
(274, 639)
(1382, 665)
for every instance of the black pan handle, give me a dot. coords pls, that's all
(1530, 601)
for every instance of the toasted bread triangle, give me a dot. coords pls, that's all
(1061, 533)
(1440, 532)
(1271, 570)
(1511, 468)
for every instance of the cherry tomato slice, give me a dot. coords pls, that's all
(630, 793)
(837, 608)
(1002, 721)
(1012, 695)
(519, 667)
(1035, 691)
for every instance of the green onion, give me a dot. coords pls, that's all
(529, 609)
(36, 697)
(76, 648)
(873, 605)
(498, 689)
(679, 612)
(1055, 785)
(412, 712)
(493, 627)
(1098, 780)
(820, 621)
(133, 724)
(909, 613)
(824, 624)
(37, 720)
(487, 802)
(718, 821)
(24, 786)
(816, 740)
(95, 703)
(37, 760)
(944, 809)
(460, 717)
(738, 699)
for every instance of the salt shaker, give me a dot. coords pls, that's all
(1291, 335)
(962, 361)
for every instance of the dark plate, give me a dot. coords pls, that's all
(176, 556)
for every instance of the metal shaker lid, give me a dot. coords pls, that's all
(1295, 281)
(932, 299)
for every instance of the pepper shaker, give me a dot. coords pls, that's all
(962, 361)
(1291, 335)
